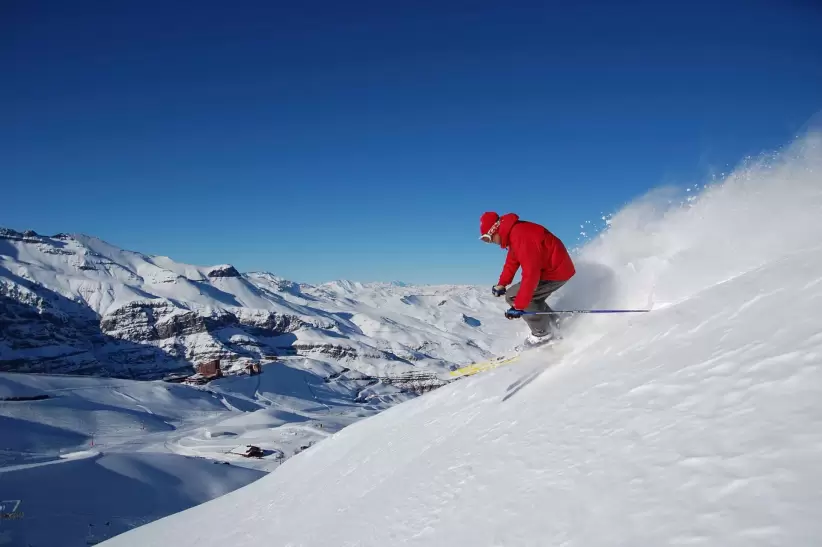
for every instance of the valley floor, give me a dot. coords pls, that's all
(90, 458)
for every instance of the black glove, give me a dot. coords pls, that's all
(497, 290)
(513, 313)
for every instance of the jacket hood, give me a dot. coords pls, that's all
(507, 222)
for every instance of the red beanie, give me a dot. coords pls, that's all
(486, 221)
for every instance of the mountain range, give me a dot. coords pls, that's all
(74, 304)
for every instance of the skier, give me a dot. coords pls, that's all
(546, 266)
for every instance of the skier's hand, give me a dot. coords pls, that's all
(513, 313)
(498, 290)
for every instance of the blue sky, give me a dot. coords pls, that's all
(362, 140)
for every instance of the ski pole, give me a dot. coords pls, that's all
(581, 311)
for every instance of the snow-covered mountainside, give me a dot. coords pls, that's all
(89, 458)
(75, 304)
(105, 328)
(699, 423)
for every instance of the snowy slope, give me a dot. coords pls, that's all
(697, 424)
(92, 496)
(93, 316)
(90, 457)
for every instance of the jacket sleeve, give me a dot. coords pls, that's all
(509, 270)
(529, 251)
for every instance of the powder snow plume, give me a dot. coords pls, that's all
(662, 248)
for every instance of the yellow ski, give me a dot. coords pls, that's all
(474, 368)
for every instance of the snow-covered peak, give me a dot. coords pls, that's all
(344, 286)
(26, 235)
(223, 270)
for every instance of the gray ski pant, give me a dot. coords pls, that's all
(540, 325)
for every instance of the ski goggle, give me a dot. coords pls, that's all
(486, 237)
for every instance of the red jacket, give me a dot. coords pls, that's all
(541, 254)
